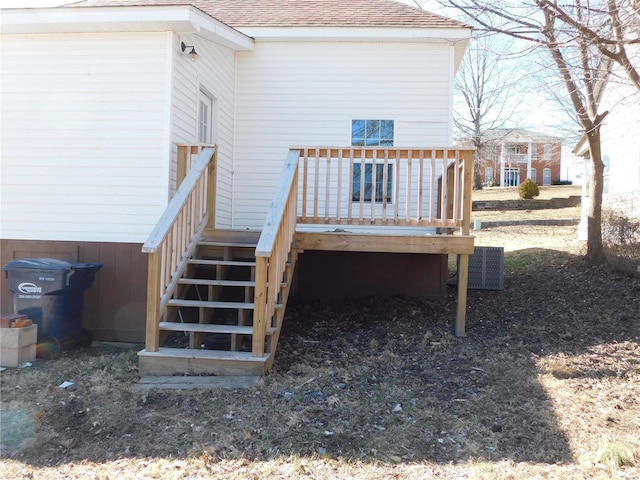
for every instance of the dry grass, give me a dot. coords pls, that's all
(511, 193)
(571, 213)
(545, 385)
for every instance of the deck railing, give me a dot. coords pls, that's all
(386, 186)
(319, 185)
(324, 185)
(175, 236)
(273, 251)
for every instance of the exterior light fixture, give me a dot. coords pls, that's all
(189, 50)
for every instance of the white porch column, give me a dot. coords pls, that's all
(502, 179)
(529, 149)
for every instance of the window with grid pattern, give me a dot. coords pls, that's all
(372, 133)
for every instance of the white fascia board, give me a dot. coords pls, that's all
(381, 34)
(179, 19)
(457, 37)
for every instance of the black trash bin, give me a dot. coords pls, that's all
(51, 293)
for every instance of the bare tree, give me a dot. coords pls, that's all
(577, 61)
(486, 81)
(618, 26)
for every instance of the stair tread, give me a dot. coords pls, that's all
(230, 263)
(210, 328)
(216, 243)
(219, 283)
(205, 328)
(204, 354)
(210, 304)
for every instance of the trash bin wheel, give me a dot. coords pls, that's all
(85, 338)
(48, 348)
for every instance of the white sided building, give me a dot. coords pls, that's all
(96, 97)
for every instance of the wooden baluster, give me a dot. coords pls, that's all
(420, 185)
(327, 188)
(339, 191)
(433, 189)
(305, 181)
(363, 166)
(407, 213)
(444, 196)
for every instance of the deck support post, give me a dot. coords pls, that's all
(463, 280)
(260, 307)
(152, 334)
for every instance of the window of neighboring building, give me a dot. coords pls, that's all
(534, 175)
(548, 148)
(514, 149)
(534, 151)
(372, 133)
(488, 175)
(206, 107)
(546, 176)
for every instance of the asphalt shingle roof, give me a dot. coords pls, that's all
(303, 13)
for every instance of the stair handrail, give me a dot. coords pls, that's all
(273, 249)
(174, 238)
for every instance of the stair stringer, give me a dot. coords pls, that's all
(278, 318)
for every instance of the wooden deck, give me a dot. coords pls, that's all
(421, 204)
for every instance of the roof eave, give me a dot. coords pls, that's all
(341, 33)
(457, 37)
(176, 18)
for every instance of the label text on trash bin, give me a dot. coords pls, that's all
(28, 287)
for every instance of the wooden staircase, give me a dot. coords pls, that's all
(216, 298)
(208, 324)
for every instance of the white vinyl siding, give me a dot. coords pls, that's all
(307, 93)
(621, 138)
(213, 72)
(84, 137)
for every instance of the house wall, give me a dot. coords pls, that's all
(85, 161)
(85, 143)
(115, 304)
(306, 93)
(213, 71)
(620, 135)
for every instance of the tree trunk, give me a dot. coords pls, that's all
(477, 174)
(595, 247)
(477, 166)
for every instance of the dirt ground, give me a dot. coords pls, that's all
(545, 385)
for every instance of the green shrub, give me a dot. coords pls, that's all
(528, 189)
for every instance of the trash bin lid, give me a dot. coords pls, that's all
(46, 264)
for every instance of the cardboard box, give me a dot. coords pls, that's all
(8, 318)
(18, 345)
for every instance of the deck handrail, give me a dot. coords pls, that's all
(175, 236)
(409, 180)
(273, 249)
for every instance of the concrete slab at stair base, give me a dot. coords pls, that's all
(196, 382)
(185, 361)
